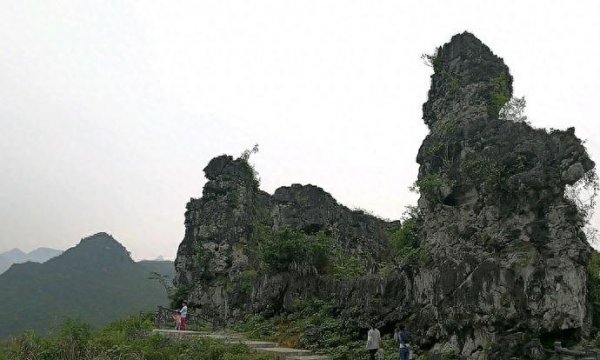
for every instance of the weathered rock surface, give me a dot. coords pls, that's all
(218, 257)
(505, 264)
(508, 253)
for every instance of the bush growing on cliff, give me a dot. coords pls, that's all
(405, 236)
(499, 95)
(292, 250)
(405, 239)
(429, 185)
(514, 110)
(245, 158)
(347, 266)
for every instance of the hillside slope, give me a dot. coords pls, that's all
(96, 281)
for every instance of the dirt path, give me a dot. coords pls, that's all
(268, 347)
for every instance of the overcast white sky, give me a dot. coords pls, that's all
(109, 110)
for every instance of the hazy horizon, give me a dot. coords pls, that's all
(109, 111)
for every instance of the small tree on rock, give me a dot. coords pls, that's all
(514, 110)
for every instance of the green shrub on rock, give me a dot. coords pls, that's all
(429, 185)
(405, 241)
(501, 93)
(292, 250)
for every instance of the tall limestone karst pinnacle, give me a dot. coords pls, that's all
(508, 251)
(502, 255)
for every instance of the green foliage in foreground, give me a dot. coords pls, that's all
(127, 339)
(95, 281)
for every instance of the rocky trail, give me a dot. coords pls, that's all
(267, 347)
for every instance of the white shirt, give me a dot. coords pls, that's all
(183, 311)
(373, 339)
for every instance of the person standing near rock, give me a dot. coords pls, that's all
(184, 313)
(373, 341)
(402, 337)
(177, 318)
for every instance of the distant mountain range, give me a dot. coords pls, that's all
(96, 281)
(16, 256)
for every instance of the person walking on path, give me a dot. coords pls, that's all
(402, 337)
(373, 341)
(183, 312)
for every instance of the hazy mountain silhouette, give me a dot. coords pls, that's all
(96, 281)
(15, 256)
(43, 254)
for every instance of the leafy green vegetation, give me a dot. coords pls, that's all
(292, 250)
(126, 339)
(514, 110)
(499, 96)
(429, 185)
(245, 159)
(447, 128)
(405, 241)
(312, 324)
(200, 257)
(433, 60)
(450, 355)
(496, 172)
(346, 266)
(405, 236)
(486, 170)
(202, 260)
(247, 279)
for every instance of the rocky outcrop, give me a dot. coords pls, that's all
(501, 252)
(508, 253)
(217, 263)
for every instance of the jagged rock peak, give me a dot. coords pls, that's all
(224, 166)
(496, 222)
(468, 79)
(303, 194)
(227, 176)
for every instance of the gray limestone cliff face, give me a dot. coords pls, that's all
(218, 224)
(507, 248)
(503, 255)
